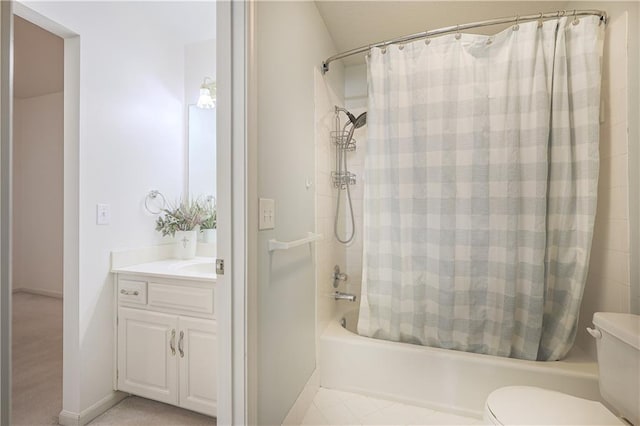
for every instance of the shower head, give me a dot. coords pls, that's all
(357, 122)
(360, 121)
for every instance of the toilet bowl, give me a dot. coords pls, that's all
(528, 405)
(618, 344)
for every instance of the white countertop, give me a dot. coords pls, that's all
(192, 269)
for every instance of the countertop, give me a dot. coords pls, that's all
(196, 269)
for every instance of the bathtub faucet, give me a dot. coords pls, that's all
(344, 296)
(338, 276)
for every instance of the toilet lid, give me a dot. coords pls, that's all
(527, 405)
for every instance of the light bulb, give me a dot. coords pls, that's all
(205, 100)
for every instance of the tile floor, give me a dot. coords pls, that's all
(331, 407)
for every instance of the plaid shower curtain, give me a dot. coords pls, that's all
(480, 188)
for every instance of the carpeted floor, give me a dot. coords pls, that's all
(37, 374)
(37, 360)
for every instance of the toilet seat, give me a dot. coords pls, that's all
(528, 405)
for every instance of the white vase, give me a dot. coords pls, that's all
(186, 244)
(209, 236)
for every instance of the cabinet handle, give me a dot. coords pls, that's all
(172, 342)
(129, 292)
(181, 344)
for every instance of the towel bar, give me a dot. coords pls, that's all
(286, 245)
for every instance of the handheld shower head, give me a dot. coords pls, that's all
(352, 117)
(360, 121)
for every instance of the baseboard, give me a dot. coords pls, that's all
(68, 418)
(299, 409)
(39, 292)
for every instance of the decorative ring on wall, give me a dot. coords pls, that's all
(155, 196)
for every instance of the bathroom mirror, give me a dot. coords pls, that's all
(202, 152)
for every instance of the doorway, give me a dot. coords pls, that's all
(37, 225)
(75, 409)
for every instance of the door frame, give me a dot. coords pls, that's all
(71, 205)
(237, 197)
(6, 107)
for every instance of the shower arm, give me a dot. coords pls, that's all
(456, 28)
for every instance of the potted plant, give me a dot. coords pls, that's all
(209, 223)
(181, 221)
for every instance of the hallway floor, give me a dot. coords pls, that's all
(332, 407)
(140, 411)
(37, 360)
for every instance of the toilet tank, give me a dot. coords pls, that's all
(618, 344)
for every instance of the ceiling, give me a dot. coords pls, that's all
(358, 23)
(38, 60)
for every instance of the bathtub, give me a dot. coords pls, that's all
(441, 379)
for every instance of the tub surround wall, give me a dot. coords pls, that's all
(356, 99)
(329, 252)
(608, 287)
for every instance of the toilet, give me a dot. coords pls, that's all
(618, 344)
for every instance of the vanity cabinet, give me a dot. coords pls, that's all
(167, 341)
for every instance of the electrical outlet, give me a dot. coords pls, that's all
(103, 214)
(267, 213)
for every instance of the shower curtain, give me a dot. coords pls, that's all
(480, 188)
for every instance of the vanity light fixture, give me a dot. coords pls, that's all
(207, 98)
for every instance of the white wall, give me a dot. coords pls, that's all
(131, 140)
(292, 41)
(608, 285)
(37, 193)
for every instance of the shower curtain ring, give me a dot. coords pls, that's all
(427, 40)
(576, 21)
(540, 23)
(458, 35)
(516, 27)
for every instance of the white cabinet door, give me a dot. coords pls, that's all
(147, 366)
(197, 348)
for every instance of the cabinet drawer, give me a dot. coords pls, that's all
(194, 299)
(132, 292)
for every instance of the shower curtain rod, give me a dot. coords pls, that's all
(456, 28)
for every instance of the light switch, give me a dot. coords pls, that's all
(103, 214)
(267, 214)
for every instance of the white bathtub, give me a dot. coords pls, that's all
(446, 380)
